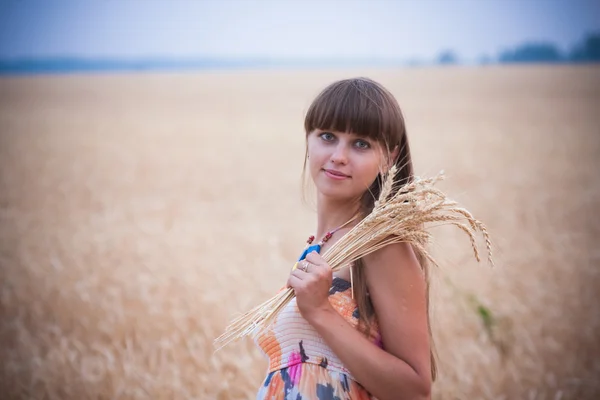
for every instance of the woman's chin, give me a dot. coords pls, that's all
(334, 193)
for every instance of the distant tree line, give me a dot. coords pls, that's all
(587, 50)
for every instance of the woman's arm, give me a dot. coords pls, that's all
(398, 292)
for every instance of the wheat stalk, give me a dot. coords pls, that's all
(400, 217)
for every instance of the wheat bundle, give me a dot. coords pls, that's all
(400, 217)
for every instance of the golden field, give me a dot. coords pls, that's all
(140, 212)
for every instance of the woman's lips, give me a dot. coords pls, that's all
(335, 175)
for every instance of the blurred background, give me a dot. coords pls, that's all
(150, 163)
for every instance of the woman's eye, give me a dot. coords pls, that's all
(326, 136)
(361, 144)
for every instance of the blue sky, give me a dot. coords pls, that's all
(393, 29)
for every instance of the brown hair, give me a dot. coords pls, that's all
(365, 108)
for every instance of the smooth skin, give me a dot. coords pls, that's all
(401, 370)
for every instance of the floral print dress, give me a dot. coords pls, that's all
(301, 365)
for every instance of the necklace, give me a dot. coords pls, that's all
(317, 247)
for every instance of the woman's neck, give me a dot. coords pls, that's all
(332, 214)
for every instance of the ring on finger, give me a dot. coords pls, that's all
(304, 266)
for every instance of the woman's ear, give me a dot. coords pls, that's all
(391, 160)
(394, 156)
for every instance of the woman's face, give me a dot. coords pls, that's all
(343, 165)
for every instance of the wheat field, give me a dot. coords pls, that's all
(140, 212)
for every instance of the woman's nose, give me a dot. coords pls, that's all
(340, 154)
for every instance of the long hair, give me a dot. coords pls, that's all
(365, 108)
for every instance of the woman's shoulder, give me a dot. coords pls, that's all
(392, 256)
(392, 266)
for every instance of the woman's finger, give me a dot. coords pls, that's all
(315, 258)
(298, 273)
(293, 281)
(302, 266)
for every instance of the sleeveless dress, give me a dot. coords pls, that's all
(301, 365)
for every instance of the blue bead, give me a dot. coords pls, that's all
(314, 247)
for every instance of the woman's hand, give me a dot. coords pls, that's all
(311, 281)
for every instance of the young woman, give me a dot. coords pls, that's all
(363, 332)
